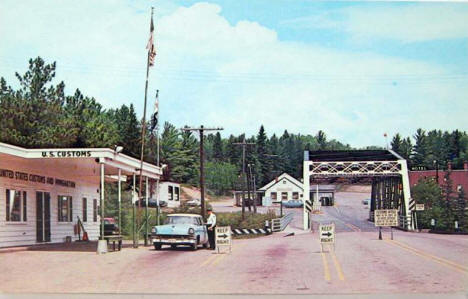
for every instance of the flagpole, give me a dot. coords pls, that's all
(143, 129)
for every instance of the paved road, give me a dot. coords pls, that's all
(411, 263)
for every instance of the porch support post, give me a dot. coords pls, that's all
(102, 200)
(102, 244)
(146, 211)
(135, 244)
(120, 202)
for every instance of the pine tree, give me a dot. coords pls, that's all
(321, 140)
(33, 116)
(406, 148)
(396, 143)
(263, 160)
(218, 148)
(419, 149)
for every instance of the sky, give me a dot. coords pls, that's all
(355, 70)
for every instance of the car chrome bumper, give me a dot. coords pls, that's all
(173, 241)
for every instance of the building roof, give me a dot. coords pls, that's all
(280, 178)
(351, 155)
(85, 159)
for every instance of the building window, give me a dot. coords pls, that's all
(459, 188)
(94, 210)
(295, 195)
(16, 206)
(177, 193)
(65, 208)
(171, 195)
(284, 195)
(273, 195)
(85, 209)
(284, 181)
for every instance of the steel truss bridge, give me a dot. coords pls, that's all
(387, 170)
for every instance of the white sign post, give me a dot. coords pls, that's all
(223, 237)
(327, 235)
(419, 207)
(387, 218)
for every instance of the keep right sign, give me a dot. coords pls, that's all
(386, 217)
(327, 233)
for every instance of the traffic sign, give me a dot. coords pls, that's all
(327, 233)
(386, 217)
(223, 236)
(419, 207)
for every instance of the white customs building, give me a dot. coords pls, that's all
(43, 192)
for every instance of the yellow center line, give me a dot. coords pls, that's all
(423, 254)
(337, 266)
(208, 260)
(453, 264)
(216, 258)
(352, 227)
(326, 270)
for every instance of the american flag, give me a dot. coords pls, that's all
(150, 45)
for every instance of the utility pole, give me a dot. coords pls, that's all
(243, 144)
(252, 181)
(202, 129)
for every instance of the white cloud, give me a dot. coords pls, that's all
(415, 22)
(238, 76)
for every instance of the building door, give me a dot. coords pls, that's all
(43, 216)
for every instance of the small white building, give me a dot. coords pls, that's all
(283, 188)
(44, 191)
(170, 193)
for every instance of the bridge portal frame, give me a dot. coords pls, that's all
(386, 165)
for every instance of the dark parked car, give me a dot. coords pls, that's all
(294, 203)
(110, 227)
(152, 203)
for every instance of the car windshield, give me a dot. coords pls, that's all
(181, 220)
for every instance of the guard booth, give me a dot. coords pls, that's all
(387, 170)
(325, 194)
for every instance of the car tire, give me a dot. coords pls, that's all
(206, 245)
(194, 246)
(157, 246)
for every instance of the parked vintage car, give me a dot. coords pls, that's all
(180, 229)
(110, 227)
(294, 203)
(193, 203)
(152, 203)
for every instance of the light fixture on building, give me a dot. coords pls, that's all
(118, 149)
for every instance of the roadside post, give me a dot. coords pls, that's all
(386, 218)
(223, 238)
(433, 223)
(327, 235)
